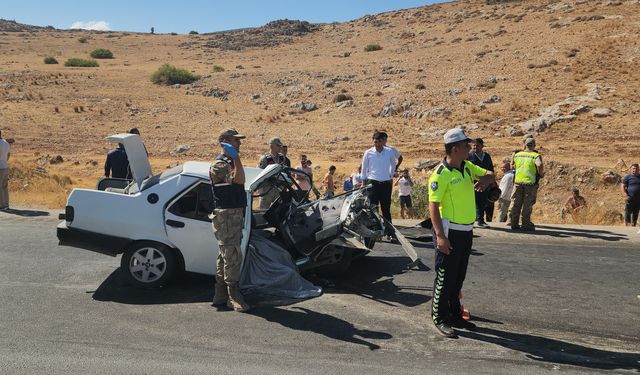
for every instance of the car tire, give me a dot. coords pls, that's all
(336, 269)
(149, 264)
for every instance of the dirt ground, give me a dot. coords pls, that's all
(565, 71)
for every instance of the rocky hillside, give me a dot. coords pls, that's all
(563, 70)
(13, 26)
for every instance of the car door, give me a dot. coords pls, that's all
(189, 228)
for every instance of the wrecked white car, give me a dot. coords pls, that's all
(160, 223)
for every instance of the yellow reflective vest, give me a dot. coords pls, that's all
(525, 165)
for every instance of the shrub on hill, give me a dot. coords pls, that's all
(101, 53)
(372, 47)
(193, 32)
(50, 60)
(84, 63)
(83, 39)
(170, 75)
(218, 68)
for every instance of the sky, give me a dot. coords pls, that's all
(190, 15)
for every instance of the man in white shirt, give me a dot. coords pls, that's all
(378, 167)
(398, 156)
(5, 149)
(506, 186)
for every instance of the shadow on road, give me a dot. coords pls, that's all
(374, 277)
(546, 230)
(556, 351)
(303, 319)
(187, 288)
(26, 213)
(370, 277)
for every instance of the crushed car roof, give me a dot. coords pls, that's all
(200, 169)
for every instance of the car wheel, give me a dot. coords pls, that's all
(149, 264)
(338, 268)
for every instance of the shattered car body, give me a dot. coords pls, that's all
(160, 223)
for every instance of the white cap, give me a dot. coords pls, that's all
(455, 135)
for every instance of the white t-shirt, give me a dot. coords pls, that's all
(304, 182)
(404, 187)
(4, 153)
(356, 181)
(379, 166)
(506, 185)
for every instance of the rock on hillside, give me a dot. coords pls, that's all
(269, 35)
(13, 26)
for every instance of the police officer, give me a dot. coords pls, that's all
(453, 212)
(529, 169)
(227, 178)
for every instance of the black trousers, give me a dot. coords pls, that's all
(631, 209)
(381, 195)
(451, 271)
(481, 204)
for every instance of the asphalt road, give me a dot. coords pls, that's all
(563, 299)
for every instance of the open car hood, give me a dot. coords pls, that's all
(137, 155)
(256, 180)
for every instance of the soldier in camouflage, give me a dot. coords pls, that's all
(227, 178)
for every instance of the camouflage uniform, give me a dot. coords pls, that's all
(227, 226)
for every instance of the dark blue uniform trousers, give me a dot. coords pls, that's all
(450, 273)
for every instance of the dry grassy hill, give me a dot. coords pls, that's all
(565, 70)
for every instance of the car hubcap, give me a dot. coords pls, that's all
(147, 264)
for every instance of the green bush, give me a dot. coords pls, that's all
(173, 33)
(218, 68)
(170, 75)
(83, 39)
(101, 53)
(50, 60)
(419, 200)
(372, 47)
(74, 61)
(193, 32)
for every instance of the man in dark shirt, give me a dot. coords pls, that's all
(117, 163)
(482, 159)
(631, 189)
(285, 151)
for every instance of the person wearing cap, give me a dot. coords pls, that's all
(529, 169)
(269, 194)
(5, 154)
(479, 157)
(227, 180)
(453, 212)
(378, 168)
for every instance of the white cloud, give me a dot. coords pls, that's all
(91, 25)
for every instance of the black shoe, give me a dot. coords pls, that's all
(515, 227)
(481, 224)
(529, 228)
(463, 324)
(445, 330)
